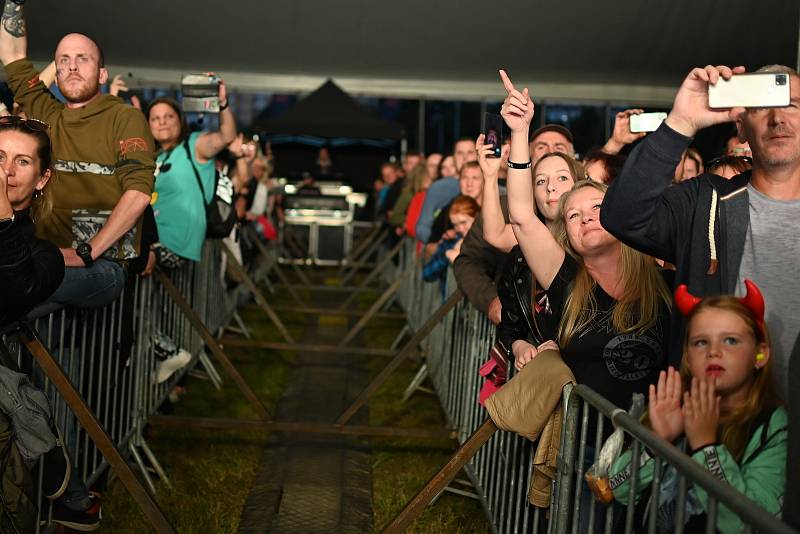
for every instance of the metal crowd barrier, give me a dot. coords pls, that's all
(108, 354)
(500, 471)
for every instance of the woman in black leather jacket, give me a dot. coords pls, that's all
(525, 319)
(30, 268)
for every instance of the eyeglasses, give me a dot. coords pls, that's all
(31, 124)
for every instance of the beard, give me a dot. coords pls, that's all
(79, 93)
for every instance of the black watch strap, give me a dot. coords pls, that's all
(84, 252)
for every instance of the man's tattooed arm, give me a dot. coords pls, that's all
(13, 19)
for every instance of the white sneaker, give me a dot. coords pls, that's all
(172, 364)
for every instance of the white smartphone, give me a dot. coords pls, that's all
(751, 90)
(647, 122)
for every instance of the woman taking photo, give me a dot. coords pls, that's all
(185, 173)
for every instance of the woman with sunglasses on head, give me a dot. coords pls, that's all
(185, 173)
(30, 269)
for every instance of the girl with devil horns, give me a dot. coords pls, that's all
(723, 402)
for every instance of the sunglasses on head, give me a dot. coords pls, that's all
(31, 124)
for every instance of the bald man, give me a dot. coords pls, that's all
(103, 156)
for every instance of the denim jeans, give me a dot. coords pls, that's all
(86, 287)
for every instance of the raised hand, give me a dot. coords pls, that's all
(489, 166)
(664, 408)
(6, 210)
(701, 413)
(690, 112)
(622, 134)
(117, 86)
(517, 108)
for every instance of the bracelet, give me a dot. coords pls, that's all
(224, 106)
(512, 165)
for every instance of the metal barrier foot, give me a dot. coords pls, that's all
(137, 458)
(210, 371)
(433, 321)
(155, 463)
(455, 491)
(416, 382)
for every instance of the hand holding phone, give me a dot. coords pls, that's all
(690, 111)
(493, 130)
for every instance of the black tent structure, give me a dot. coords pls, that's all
(358, 140)
(329, 112)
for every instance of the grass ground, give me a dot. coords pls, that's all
(212, 471)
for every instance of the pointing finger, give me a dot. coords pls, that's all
(506, 81)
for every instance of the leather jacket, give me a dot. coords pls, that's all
(30, 269)
(517, 318)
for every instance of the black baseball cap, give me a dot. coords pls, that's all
(563, 130)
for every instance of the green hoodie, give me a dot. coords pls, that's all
(100, 151)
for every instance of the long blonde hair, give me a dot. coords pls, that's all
(737, 426)
(644, 294)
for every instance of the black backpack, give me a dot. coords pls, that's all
(220, 213)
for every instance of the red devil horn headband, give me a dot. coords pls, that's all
(753, 301)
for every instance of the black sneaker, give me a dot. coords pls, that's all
(85, 521)
(56, 470)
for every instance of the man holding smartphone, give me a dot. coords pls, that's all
(719, 232)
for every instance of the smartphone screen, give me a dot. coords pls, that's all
(493, 130)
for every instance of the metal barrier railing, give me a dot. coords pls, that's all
(583, 448)
(501, 468)
(108, 354)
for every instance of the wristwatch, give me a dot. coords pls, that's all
(6, 222)
(84, 251)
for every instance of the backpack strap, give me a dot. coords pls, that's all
(196, 172)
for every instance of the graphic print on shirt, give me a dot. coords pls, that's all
(630, 356)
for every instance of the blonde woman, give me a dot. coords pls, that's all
(611, 302)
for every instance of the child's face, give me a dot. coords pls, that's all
(721, 345)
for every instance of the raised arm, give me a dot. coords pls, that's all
(211, 143)
(662, 213)
(13, 36)
(622, 134)
(495, 230)
(542, 253)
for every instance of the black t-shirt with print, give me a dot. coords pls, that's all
(614, 364)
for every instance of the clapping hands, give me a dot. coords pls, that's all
(698, 417)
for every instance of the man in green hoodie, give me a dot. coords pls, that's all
(104, 162)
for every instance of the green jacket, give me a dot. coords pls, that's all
(100, 151)
(760, 476)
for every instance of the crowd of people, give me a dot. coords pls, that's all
(95, 192)
(584, 255)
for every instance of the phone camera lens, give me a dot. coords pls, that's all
(780, 79)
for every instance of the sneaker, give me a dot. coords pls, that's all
(84, 521)
(163, 346)
(56, 470)
(172, 364)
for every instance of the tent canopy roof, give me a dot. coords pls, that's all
(638, 50)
